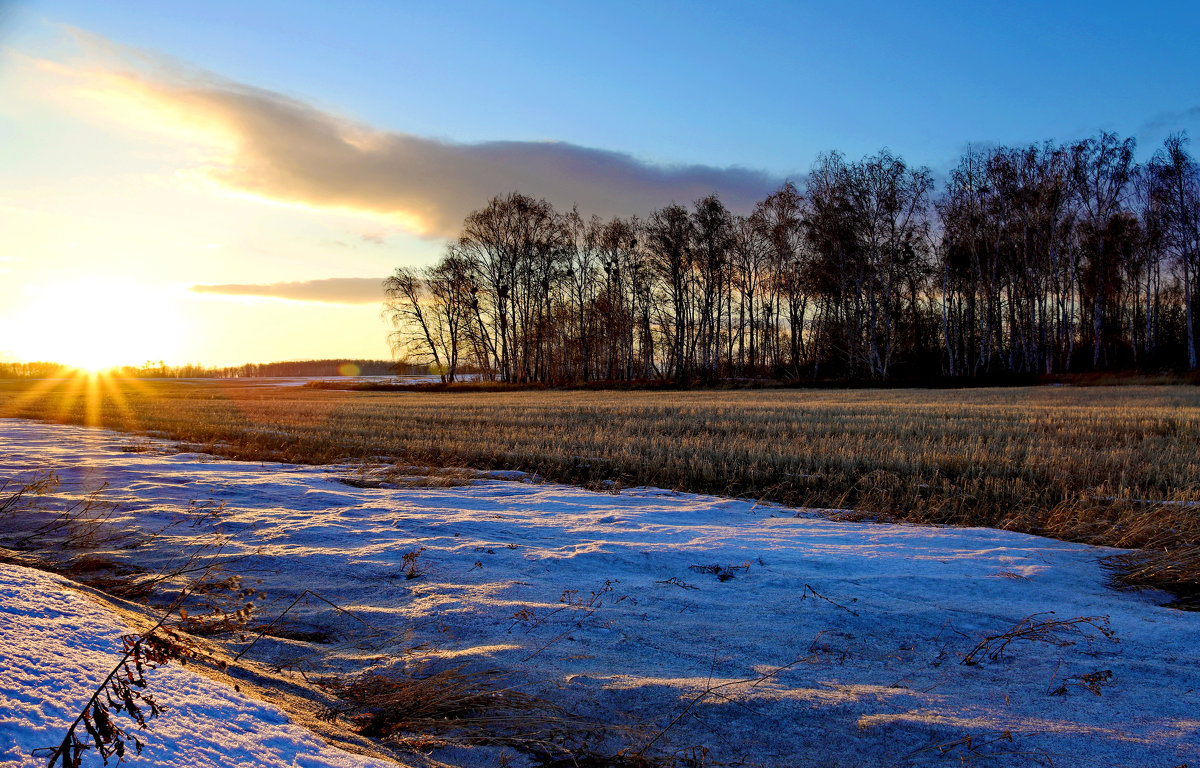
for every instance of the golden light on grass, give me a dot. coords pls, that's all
(81, 396)
(97, 325)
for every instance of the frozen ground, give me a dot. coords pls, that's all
(594, 599)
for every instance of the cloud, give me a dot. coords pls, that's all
(1172, 121)
(275, 147)
(333, 290)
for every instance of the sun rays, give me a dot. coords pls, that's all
(80, 395)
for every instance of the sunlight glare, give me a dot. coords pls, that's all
(99, 324)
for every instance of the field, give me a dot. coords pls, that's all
(1117, 466)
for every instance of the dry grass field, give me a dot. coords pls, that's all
(1117, 466)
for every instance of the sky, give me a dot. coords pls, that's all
(226, 182)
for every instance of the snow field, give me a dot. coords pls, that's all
(595, 600)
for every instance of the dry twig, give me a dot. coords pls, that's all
(1053, 631)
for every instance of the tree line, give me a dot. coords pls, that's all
(1039, 259)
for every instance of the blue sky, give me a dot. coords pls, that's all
(765, 85)
(173, 145)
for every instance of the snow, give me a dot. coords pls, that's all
(57, 646)
(593, 598)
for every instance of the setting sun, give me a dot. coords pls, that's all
(98, 324)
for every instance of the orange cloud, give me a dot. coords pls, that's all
(276, 148)
(333, 290)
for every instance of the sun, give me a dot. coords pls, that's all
(98, 324)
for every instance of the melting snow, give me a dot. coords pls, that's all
(622, 607)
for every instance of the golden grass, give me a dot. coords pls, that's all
(1088, 464)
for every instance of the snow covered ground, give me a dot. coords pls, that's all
(57, 644)
(608, 605)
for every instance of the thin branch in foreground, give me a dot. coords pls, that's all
(981, 746)
(144, 651)
(1053, 631)
(306, 593)
(809, 591)
(711, 690)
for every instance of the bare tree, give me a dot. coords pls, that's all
(1041, 250)
(1101, 170)
(669, 245)
(1175, 196)
(430, 312)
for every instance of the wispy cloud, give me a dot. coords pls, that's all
(282, 149)
(1171, 121)
(334, 290)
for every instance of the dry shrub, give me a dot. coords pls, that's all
(397, 476)
(1166, 537)
(976, 748)
(221, 605)
(1172, 570)
(17, 492)
(63, 537)
(409, 562)
(480, 707)
(124, 691)
(28, 526)
(722, 572)
(1090, 681)
(105, 574)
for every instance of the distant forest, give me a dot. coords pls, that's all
(1040, 259)
(320, 368)
(285, 369)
